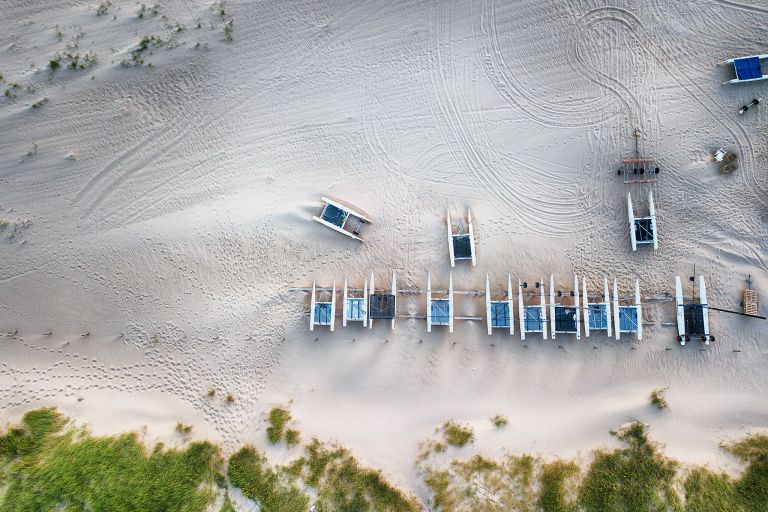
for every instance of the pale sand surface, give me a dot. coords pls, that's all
(169, 212)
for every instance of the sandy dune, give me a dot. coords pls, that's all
(157, 215)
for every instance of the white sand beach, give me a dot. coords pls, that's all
(156, 205)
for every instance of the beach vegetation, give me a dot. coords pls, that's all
(499, 421)
(278, 418)
(272, 489)
(54, 63)
(658, 400)
(211, 392)
(456, 434)
(230, 398)
(39, 103)
(228, 30)
(634, 478)
(48, 466)
(103, 8)
(292, 437)
(183, 428)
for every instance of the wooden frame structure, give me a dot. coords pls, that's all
(382, 305)
(440, 309)
(322, 313)
(692, 316)
(341, 218)
(565, 318)
(642, 230)
(461, 246)
(499, 313)
(597, 315)
(354, 309)
(627, 317)
(533, 317)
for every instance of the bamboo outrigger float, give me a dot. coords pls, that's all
(499, 313)
(627, 317)
(533, 317)
(565, 318)
(693, 315)
(439, 309)
(461, 245)
(642, 230)
(342, 218)
(322, 313)
(597, 315)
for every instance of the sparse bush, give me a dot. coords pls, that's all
(230, 398)
(499, 421)
(658, 400)
(228, 29)
(292, 437)
(103, 8)
(210, 392)
(457, 435)
(54, 63)
(183, 428)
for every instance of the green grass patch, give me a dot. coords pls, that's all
(48, 467)
(499, 421)
(706, 491)
(752, 487)
(558, 487)
(632, 479)
(292, 437)
(343, 485)
(272, 489)
(456, 434)
(183, 428)
(278, 418)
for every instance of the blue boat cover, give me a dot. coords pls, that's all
(748, 68)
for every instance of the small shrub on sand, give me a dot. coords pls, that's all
(633, 478)
(228, 30)
(658, 400)
(211, 392)
(230, 398)
(499, 421)
(183, 428)
(54, 63)
(292, 437)
(278, 418)
(457, 435)
(103, 7)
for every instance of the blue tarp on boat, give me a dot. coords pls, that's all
(748, 68)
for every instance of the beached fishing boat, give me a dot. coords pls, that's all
(748, 69)
(342, 218)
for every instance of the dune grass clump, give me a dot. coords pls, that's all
(342, 484)
(558, 487)
(292, 437)
(456, 434)
(658, 400)
(49, 467)
(273, 490)
(183, 428)
(499, 421)
(635, 478)
(480, 484)
(54, 63)
(278, 418)
(752, 487)
(103, 8)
